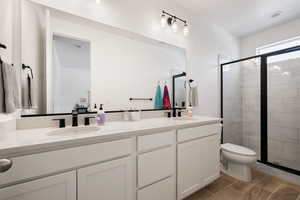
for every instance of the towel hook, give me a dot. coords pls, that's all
(27, 67)
(3, 46)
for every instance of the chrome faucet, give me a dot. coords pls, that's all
(74, 118)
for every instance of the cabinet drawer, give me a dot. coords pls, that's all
(149, 142)
(41, 164)
(163, 190)
(58, 187)
(198, 132)
(155, 166)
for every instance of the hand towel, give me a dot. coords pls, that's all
(27, 92)
(194, 100)
(158, 99)
(2, 95)
(11, 88)
(166, 98)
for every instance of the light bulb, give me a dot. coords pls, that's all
(98, 1)
(186, 30)
(163, 21)
(174, 26)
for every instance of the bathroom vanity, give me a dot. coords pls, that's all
(159, 158)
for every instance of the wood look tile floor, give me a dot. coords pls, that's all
(262, 187)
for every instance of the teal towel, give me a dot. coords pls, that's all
(158, 98)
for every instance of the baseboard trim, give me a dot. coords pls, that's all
(278, 173)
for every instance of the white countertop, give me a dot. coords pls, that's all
(30, 141)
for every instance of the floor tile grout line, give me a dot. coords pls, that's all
(270, 192)
(274, 191)
(227, 186)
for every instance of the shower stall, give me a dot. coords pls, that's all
(260, 106)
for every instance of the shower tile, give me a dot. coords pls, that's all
(291, 151)
(275, 150)
(284, 134)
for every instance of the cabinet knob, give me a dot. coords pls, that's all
(5, 165)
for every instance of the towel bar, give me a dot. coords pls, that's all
(140, 99)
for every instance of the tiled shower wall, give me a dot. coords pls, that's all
(232, 104)
(251, 104)
(241, 83)
(241, 104)
(284, 113)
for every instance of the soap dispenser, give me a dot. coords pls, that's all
(101, 116)
(95, 108)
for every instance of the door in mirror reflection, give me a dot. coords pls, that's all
(71, 74)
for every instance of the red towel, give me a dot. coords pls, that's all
(166, 99)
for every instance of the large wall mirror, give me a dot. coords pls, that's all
(76, 62)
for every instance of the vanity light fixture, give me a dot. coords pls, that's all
(163, 20)
(172, 20)
(174, 25)
(186, 30)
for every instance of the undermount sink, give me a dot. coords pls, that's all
(74, 131)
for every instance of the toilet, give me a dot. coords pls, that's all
(237, 161)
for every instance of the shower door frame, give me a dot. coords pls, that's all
(263, 104)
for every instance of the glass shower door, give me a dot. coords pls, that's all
(241, 104)
(284, 110)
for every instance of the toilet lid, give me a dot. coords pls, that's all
(238, 149)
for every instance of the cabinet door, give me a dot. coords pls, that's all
(211, 158)
(108, 181)
(59, 187)
(198, 162)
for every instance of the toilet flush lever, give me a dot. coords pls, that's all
(5, 165)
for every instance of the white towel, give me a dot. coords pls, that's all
(2, 97)
(194, 99)
(11, 85)
(27, 92)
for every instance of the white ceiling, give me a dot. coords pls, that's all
(244, 17)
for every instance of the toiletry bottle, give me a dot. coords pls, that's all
(95, 108)
(189, 111)
(101, 117)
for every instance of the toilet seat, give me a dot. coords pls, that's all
(236, 149)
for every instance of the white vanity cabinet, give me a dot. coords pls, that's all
(110, 180)
(167, 165)
(198, 158)
(97, 171)
(58, 187)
